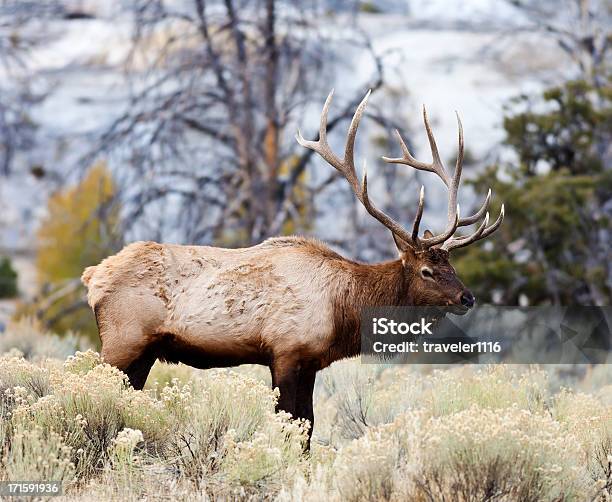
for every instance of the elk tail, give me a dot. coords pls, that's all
(87, 275)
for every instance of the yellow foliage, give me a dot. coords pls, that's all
(300, 218)
(80, 229)
(73, 236)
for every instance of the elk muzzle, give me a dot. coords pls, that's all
(466, 299)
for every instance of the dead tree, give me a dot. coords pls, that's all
(217, 90)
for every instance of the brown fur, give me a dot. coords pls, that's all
(290, 303)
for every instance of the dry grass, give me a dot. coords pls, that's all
(383, 433)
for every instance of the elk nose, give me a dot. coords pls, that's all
(467, 299)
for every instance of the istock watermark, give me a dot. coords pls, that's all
(383, 326)
(488, 334)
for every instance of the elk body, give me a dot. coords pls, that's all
(289, 303)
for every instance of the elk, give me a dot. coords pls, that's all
(290, 303)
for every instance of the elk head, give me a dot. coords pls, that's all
(430, 278)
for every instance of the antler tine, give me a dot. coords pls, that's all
(419, 215)
(453, 220)
(323, 121)
(346, 166)
(452, 243)
(453, 188)
(447, 234)
(488, 231)
(349, 149)
(381, 216)
(456, 180)
(321, 146)
(435, 166)
(482, 232)
(478, 214)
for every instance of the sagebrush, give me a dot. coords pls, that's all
(383, 433)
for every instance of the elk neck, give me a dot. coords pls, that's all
(377, 284)
(363, 285)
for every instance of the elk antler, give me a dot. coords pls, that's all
(454, 221)
(346, 166)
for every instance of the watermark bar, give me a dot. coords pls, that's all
(30, 488)
(487, 335)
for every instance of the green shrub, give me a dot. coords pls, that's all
(553, 246)
(369, 8)
(8, 278)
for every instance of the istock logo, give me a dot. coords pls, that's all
(384, 326)
(487, 335)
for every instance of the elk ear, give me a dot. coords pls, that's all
(401, 244)
(428, 234)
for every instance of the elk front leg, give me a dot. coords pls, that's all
(285, 375)
(303, 402)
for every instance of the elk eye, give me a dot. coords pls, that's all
(427, 273)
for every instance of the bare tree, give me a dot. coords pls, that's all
(216, 91)
(26, 26)
(17, 39)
